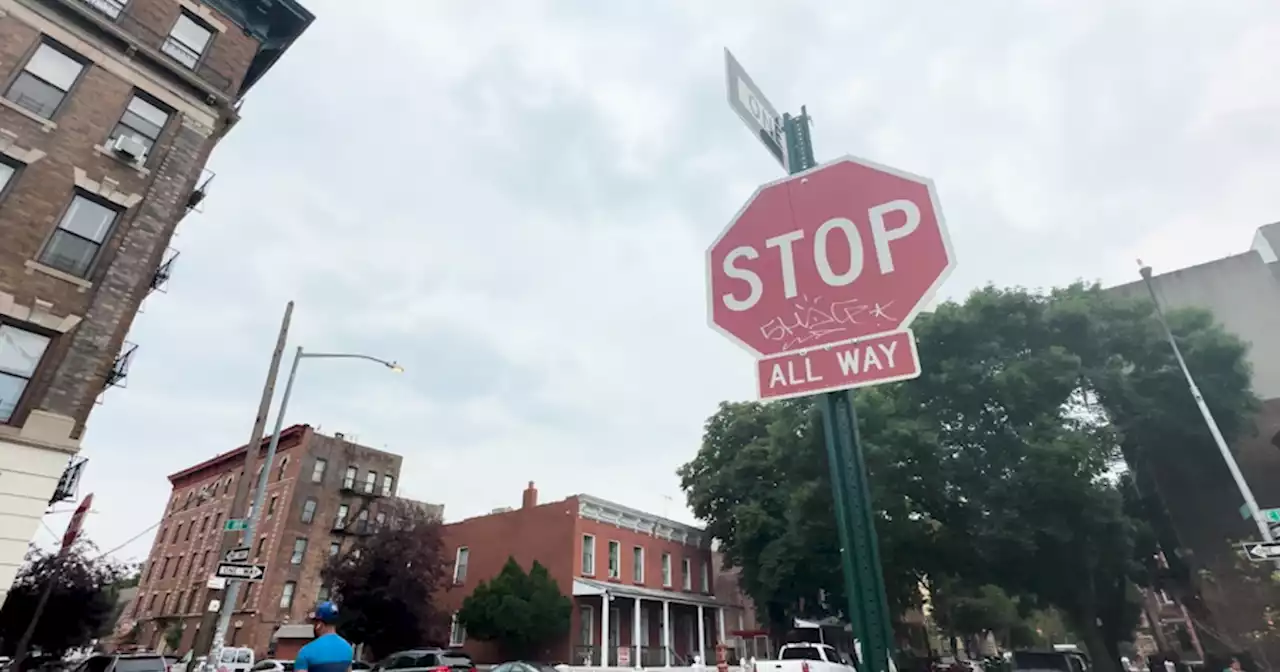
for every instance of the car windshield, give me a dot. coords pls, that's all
(801, 653)
(153, 664)
(455, 660)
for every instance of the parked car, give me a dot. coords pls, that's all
(123, 662)
(426, 660)
(273, 665)
(524, 666)
(807, 657)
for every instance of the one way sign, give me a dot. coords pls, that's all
(1261, 551)
(237, 555)
(227, 570)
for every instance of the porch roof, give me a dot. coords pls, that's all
(593, 587)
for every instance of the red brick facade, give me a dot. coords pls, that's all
(184, 553)
(554, 534)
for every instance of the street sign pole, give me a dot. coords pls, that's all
(867, 602)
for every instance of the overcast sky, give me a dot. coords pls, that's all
(513, 199)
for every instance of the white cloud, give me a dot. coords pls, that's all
(514, 198)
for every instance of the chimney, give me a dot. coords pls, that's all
(530, 497)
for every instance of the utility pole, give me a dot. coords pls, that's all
(232, 537)
(1252, 504)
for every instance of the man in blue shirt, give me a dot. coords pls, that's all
(328, 652)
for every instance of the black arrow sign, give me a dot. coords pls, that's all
(237, 555)
(241, 572)
(1261, 551)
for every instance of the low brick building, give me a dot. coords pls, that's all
(109, 110)
(322, 491)
(642, 585)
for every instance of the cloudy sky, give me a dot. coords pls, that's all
(513, 199)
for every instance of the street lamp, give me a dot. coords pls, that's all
(229, 600)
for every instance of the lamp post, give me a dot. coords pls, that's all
(233, 587)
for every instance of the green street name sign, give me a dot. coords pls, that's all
(234, 525)
(1269, 515)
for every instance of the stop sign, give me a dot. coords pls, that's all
(845, 250)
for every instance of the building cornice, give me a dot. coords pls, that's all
(627, 518)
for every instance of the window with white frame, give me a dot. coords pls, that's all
(457, 632)
(20, 354)
(309, 510)
(187, 40)
(7, 171)
(317, 470)
(666, 570)
(686, 575)
(388, 485)
(286, 595)
(706, 577)
(142, 120)
(460, 565)
(43, 83)
(335, 548)
(299, 550)
(349, 478)
(615, 560)
(340, 520)
(637, 564)
(587, 625)
(370, 481)
(80, 236)
(588, 555)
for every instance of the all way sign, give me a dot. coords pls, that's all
(227, 570)
(1261, 551)
(859, 363)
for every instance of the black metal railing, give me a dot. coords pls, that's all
(112, 11)
(160, 279)
(120, 367)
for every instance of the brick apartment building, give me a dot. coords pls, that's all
(641, 584)
(109, 110)
(322, 491)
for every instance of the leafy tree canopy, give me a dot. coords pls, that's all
(520, 612)
(80, 607)
(386, 583)
(998, 466)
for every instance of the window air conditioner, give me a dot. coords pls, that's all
(129, 146)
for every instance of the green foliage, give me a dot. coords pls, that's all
(173, 636)
(80, 606)
(522, 613)
(996, 469)
(387, 583)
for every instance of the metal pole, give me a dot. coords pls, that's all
(20, 653)
(867, 603)
(229, 540)
(1227, 457)
(251, 524)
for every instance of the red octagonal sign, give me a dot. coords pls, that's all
(846, 250)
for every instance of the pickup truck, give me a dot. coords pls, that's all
(807, 657)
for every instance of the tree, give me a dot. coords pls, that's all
(387, 582)
(80, 605)
(521, 613)
(997, 466)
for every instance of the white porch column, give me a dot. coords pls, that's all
(666, 632)
(720, 624)
(604, 629)
(638, 639)
(702, 636)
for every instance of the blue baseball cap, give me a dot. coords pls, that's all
(326, 612)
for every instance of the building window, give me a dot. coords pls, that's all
(309, 510)
(666, 570)
(204, 524)
(686, 578)
(151, 602)
(187, 41)
(370, 482)
(143, 121)
(587, 623)
(340, 521)
(349, 478)
(362, 520)
(204, 561)
(457, 633)
(460, 565)
(247, 595)
(20, 353)
(262, 543)
(388, 484)
(44, 82)
(299, 550)
(335, 548)
(706, 577)
(7, 171)
(588, 555)
(179, 605)
(615, 559)
(637, 564)
(286, 596)
(284, 463)
(190, 528)
(177, 532)
(187, 504)
(271, 506)
(380, 520)
(322, 595)
(79, 237)
(317, 470)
